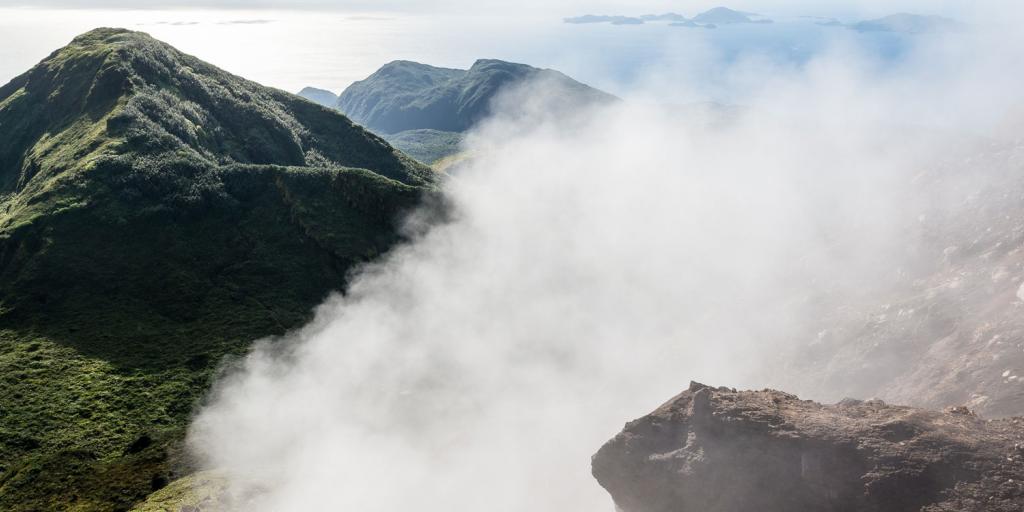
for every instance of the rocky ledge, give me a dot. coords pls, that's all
(722, 450)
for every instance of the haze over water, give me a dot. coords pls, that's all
(331, 49)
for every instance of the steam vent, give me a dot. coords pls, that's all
(721, 450)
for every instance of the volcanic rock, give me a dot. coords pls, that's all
(721, 450)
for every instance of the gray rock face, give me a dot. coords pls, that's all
(722, 450)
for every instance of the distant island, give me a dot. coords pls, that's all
(726, 16)
(707, 19)
(899, 23)
(614, 20)
(909, 24)
(669, 16)
(692, 24)
(830, 22)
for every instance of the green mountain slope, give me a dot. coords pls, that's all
(405, 95)
(157, 214)
(423, 110)
(426, 145)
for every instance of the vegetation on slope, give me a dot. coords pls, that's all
(405, 95)
(203, 491)
(426, 145)
(156, 215)
(395, 97)
(423, 110)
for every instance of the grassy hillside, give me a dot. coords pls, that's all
(393, 97)
(156, 215)
(424, 110)
(426, 145)
(405, 95)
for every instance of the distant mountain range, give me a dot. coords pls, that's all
(614, 20)
(423, 110)
(909, 24)
(901, 23)
(707, 19)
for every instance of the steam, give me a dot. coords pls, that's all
(593, 267)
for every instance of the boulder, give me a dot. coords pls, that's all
(721, 450)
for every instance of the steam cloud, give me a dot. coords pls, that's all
(594, 266)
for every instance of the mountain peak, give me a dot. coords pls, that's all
(450, 100)
(87, 57)
(496, 64)
(491, 62)
(402, 66)
(319, 96)
(105, 33)
(113, 43)
(116, 91)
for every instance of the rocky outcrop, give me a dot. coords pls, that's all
(722, 450)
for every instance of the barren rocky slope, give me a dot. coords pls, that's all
(944, 327)
(722, 450)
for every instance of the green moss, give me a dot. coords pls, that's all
(429, 146)
(206, 491)
(70, 420)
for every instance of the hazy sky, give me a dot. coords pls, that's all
(330, 44)
(864, 7)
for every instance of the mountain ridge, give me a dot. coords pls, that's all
(405, 95)
(710, 18)
(157, 215)
(424, 109)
